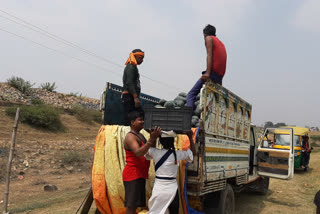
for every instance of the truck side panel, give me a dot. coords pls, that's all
(112, 105)
(224, 141)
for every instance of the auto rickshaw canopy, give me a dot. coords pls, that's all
(297, 130)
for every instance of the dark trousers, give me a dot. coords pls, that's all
(191, 98)
(128, 106)
(305, 157)
(174, 206)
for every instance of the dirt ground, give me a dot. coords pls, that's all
(60, 159)
(47, 158)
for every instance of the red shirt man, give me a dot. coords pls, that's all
(216, 63)
(216, 56)
(135, 172)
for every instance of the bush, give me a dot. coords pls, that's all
(71, 94)
(4, 153)
(36, 102)
(20, 84)
(315, 137)
(40, 116)
(74, 157)
(86, 115)
(49, 86)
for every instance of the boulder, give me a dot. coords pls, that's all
(50, 188)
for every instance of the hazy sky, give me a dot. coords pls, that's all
(273, 48)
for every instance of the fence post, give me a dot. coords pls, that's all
(12, 148)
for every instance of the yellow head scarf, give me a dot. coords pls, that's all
(132, 59)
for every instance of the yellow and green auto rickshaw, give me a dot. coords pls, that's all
(301, 155)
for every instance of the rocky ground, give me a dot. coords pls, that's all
(9, 94)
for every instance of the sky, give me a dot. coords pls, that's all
(272, 47)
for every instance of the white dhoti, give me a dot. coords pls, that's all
(164, 191)
(163, 194)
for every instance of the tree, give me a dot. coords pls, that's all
(268, 124)
(277, 125)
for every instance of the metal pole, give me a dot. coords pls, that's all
(13, 142)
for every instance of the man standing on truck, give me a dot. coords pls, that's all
(216, 63)
(136, 170)
(131, 83)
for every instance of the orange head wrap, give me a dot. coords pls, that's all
(132, 59)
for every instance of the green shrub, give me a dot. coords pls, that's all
(20, 84)
(97, 116)
(86, 115)
(40, 116)
(49, 86)
(37, 102)
(74, 157)
(71, 94)
(4, 153)
(315, 137)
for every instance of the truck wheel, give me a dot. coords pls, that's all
(222, 202)
(227, 201)
(260, 186)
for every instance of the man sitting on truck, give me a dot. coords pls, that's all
(216, 63)
(136, 170)
(131, 83)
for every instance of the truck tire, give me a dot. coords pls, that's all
(222, 202)
(260, 186)
(227, 201)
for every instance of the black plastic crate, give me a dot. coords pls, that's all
(176, 119)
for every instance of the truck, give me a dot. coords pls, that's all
(229, 156)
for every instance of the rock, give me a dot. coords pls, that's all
(197, 111)
(179, 103)
(184, 99)
(198, 97)
(10, 94)
(26, 163)
(162, 102)
(169, 104)
(69, 168)
(50, 188)
(194, 120)
(59, 177)
(183, 94)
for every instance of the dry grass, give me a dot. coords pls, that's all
(285, 196)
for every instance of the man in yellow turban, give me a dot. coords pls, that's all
(131, 83)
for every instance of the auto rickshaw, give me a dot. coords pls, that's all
(301, 155)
